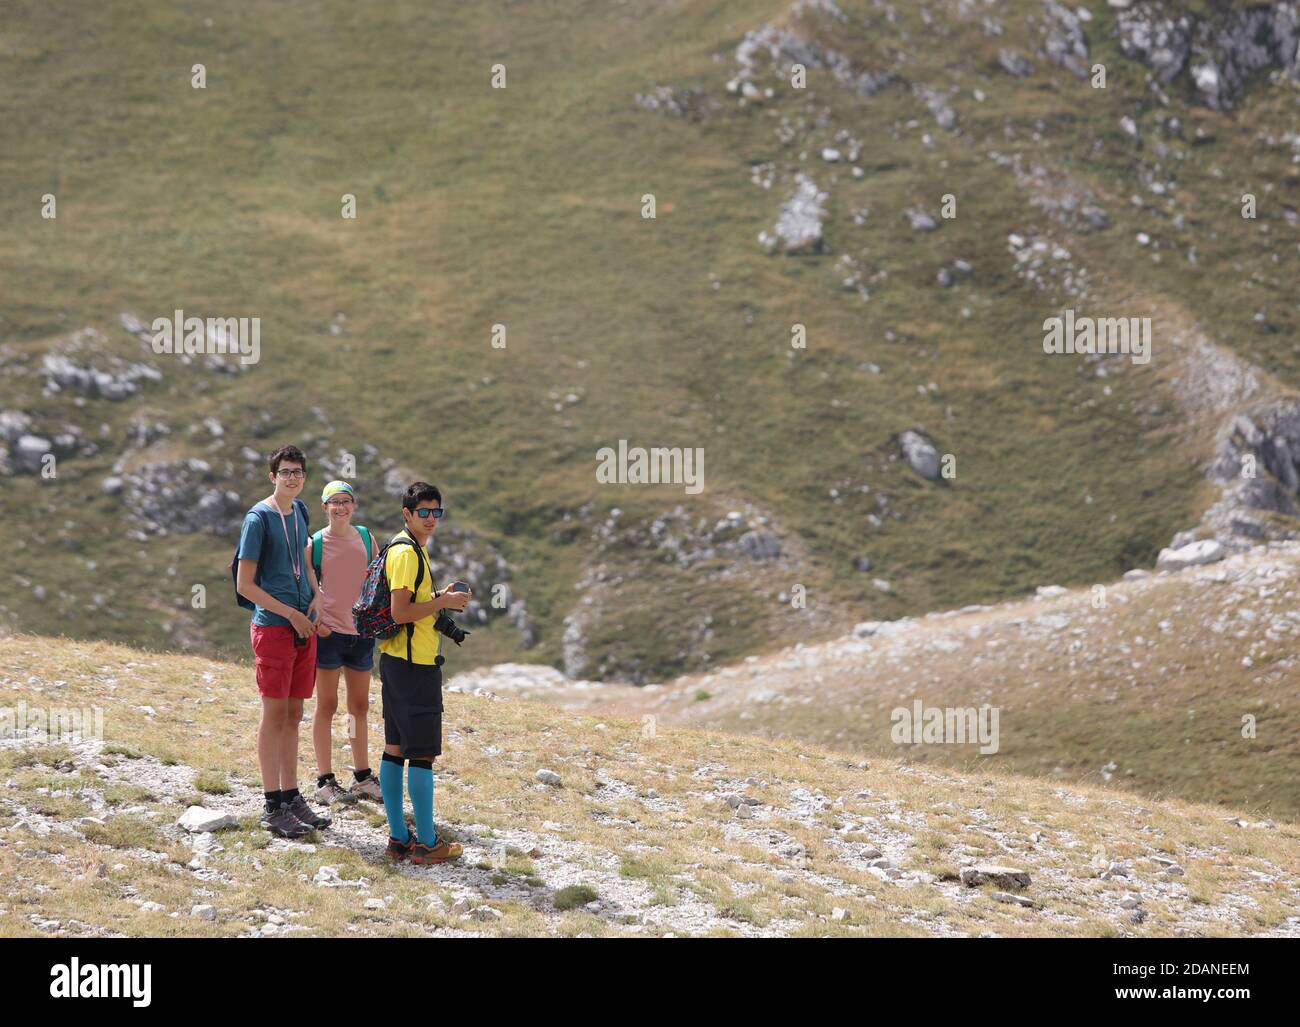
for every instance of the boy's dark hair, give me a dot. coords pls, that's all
(420, 492)
(291, 453)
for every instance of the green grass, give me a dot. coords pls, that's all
(126, 832)
(648, 867)
(124, 794)
(575, 896)
(212, 782)
(115, 749)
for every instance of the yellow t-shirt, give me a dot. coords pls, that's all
(400, 565)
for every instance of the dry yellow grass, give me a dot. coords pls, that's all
(1171, 685)
(641, 821)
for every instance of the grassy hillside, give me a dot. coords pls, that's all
(643, 836)
(521, 206)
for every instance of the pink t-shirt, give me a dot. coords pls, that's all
(343, 572)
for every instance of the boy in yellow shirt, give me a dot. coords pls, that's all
(410, 669)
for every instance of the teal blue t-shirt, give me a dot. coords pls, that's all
(277, 575)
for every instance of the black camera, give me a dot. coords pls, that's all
(450, 628)
(445, 624)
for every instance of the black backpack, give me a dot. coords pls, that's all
(262, 511)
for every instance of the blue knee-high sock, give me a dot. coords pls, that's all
(390, 785)
(421, 785)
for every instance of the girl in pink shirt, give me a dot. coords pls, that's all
(340, 554)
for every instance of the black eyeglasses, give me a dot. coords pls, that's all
(424, 513)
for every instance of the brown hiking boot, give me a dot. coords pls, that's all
(398, 851)
(422, 855)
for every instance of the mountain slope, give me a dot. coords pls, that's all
(522, 207)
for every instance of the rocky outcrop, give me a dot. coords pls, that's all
(772, 47)
(1065, 43)
(81, 363)
(679, 101)
(1218, 54)
(1257, 465)
(181, 497)
(1265, 438)
(24, 446)
(687, 541)
(120, 381)
(1014, 64)
(920, 454)
(799, 224)
(1191, 555)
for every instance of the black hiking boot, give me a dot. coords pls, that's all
(300, 809)
(281, 821)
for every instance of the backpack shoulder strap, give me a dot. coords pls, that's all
(419, 570)
(398, 540)
(316, 544)
(364, 532)
(406, 540)
(419, 576)
(263, 514)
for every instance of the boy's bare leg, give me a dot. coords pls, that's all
(270, 731)
(289, 744)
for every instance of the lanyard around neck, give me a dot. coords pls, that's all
(295, 551)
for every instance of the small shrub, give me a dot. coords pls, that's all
(212, 781)
(125, 833)
(575, 895)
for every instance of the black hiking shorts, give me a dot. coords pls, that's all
(412, 699)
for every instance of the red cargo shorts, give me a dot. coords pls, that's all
(284, 670)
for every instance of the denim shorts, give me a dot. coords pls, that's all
(337, 650)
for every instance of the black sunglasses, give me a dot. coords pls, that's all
(424, 513)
